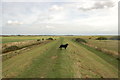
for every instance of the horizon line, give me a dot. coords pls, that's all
(59, 35)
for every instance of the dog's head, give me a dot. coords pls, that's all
(66, 44)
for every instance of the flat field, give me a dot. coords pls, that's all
(23, 38)
(46, 60)
(107, 44)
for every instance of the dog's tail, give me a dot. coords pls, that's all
(60, 46)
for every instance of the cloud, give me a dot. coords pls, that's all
(50, 27)
(56, 8)
(56, 18)
(11, 22)
(54, 14)
(96, 5)
(51, 0)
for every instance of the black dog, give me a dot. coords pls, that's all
(63, 46)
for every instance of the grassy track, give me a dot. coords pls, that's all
(109, 58)
(48, 61)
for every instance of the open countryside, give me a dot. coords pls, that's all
(59, 39)
(44, 58)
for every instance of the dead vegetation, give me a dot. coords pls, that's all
(7, 47)
(114, 53)
(14, 50)
(111, 52)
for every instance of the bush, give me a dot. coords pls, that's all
(50, 39)
(115, 38)
(80, 40)
(101, 38)
(90, 38)
(42, 38)
(38, 39)
(11, 48)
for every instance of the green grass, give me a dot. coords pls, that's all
(48, 61)
(109, 58)
(106, 44)
(24, 38)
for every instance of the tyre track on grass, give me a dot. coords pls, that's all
(52, 64)
(88, 65)
(18, 64)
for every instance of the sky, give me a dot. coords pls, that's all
(60, 17)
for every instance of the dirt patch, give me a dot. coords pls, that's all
(54, 57)
(41, 77)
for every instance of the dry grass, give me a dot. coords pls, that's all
(111, 45)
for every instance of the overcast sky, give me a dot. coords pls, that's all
(89, 17)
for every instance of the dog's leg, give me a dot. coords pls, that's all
(65, 47)
(60, 48)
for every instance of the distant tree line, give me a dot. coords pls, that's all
(80, 40)
(46, 39)
(111, 38)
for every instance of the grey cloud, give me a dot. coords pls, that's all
(43, 18)
(99, 5)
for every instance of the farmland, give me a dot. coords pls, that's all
(46, 60)
(107, 44)
(22, 38)
(110, 45)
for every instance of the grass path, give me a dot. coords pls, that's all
(48, 61)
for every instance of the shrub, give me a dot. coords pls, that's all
(42, 38)
(90, 38)
(11, 48)
(38, 39)
(118, 59)
(115, 38)
(80, 40)
(50, 39)
(101, 38)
